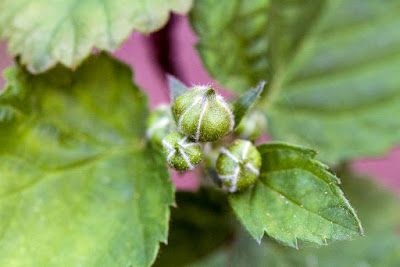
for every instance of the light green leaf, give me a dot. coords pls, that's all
(233, 40)
(335, 83)
(201, 223)
(295, 200)
(78, 186)
(45, 32)
(376, 207)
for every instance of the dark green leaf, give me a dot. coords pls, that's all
(46, 32)
(380, 247)
(176, 87)
(295, 200)
(245, 102)
(78, 186)
(201, 223)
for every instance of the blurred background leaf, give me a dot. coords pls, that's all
(46, 32)
(334, 85)
(233, 41)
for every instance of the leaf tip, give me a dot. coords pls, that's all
(170, 78)
(176, 87)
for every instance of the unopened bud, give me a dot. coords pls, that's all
(238, 166)
(181, 153)
(203, 115)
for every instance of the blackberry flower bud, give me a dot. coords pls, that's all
(238, 166)
(251, 127)
(159, 124)
(203, 115)
(181, 154)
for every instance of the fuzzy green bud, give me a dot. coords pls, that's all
(159, 124)
(181, 153)
(251, 126)
(203, 115)
(238, 166)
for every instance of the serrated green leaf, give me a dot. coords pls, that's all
(376, 207)
(295, 200)
(45, 32)
(335, 68)
(233, 32)
(201, 223)
(245, 102)
(78, 186)
(176, 87)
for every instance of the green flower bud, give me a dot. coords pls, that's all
(181, 154)
(239, 166)
(203, 115)
(159, 124)
(251, 126)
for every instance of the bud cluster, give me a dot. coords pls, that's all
(201, 115)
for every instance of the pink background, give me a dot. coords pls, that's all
(138, 51)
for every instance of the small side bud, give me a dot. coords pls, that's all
(181, 153)
(159, 124)
(203, 115)
(252, 126)
(238, 166)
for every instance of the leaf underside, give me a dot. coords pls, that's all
(335, 83)
(232, 32)
(341, 89)
(77, 184)
(296, 200)
(45, 32)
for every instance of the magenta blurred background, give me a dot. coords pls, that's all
(151, 56)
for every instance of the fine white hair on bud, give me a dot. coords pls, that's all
(238, 166)
(182, 154)
(203, 115)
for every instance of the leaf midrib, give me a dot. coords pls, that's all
(304, 207)
(92, 160)
(390, 100)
